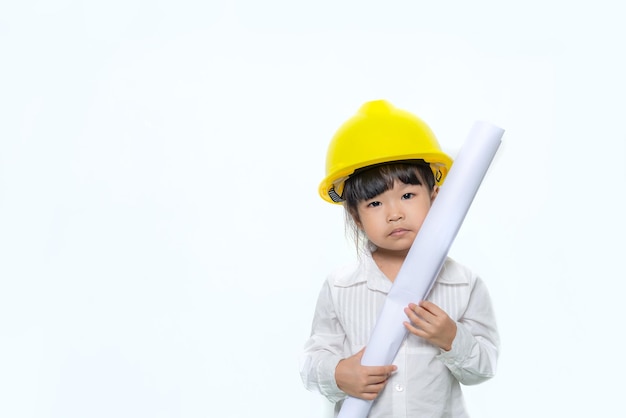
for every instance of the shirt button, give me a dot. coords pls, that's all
(399, 387)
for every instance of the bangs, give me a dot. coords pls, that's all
(373, 181)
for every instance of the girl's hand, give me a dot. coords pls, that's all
(430, 322)
(360, 381)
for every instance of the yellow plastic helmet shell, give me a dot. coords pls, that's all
(379, 133)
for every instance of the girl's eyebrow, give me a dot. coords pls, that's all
(407, 185)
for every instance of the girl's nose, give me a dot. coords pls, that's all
(395, 216)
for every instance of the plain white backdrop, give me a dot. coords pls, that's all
(162, 243)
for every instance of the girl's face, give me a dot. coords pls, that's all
(392, 219)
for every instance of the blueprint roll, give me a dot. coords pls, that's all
(428, 252)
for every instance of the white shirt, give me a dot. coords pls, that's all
(426, 383)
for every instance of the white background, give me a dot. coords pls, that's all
(162, 242)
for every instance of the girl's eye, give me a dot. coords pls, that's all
(408, 195)
(374, 204)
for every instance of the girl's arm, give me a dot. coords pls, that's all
(473, 356)
(324, 349)
(326, 366)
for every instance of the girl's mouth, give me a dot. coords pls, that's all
(398, 231)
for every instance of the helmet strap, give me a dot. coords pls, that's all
(335, 196)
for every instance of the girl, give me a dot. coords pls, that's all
(385, 166)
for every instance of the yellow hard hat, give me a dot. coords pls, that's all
(379, 133)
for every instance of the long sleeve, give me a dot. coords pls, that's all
(324, 349)
(474, 354)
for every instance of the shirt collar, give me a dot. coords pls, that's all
(368, 272)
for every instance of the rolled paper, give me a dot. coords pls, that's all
(428, 252)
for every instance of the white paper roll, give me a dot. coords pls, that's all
(428, 252)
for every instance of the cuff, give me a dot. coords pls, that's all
(327, 382)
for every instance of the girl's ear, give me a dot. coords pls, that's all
(434, 194)
(355, 218)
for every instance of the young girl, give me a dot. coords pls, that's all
(385, 166)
